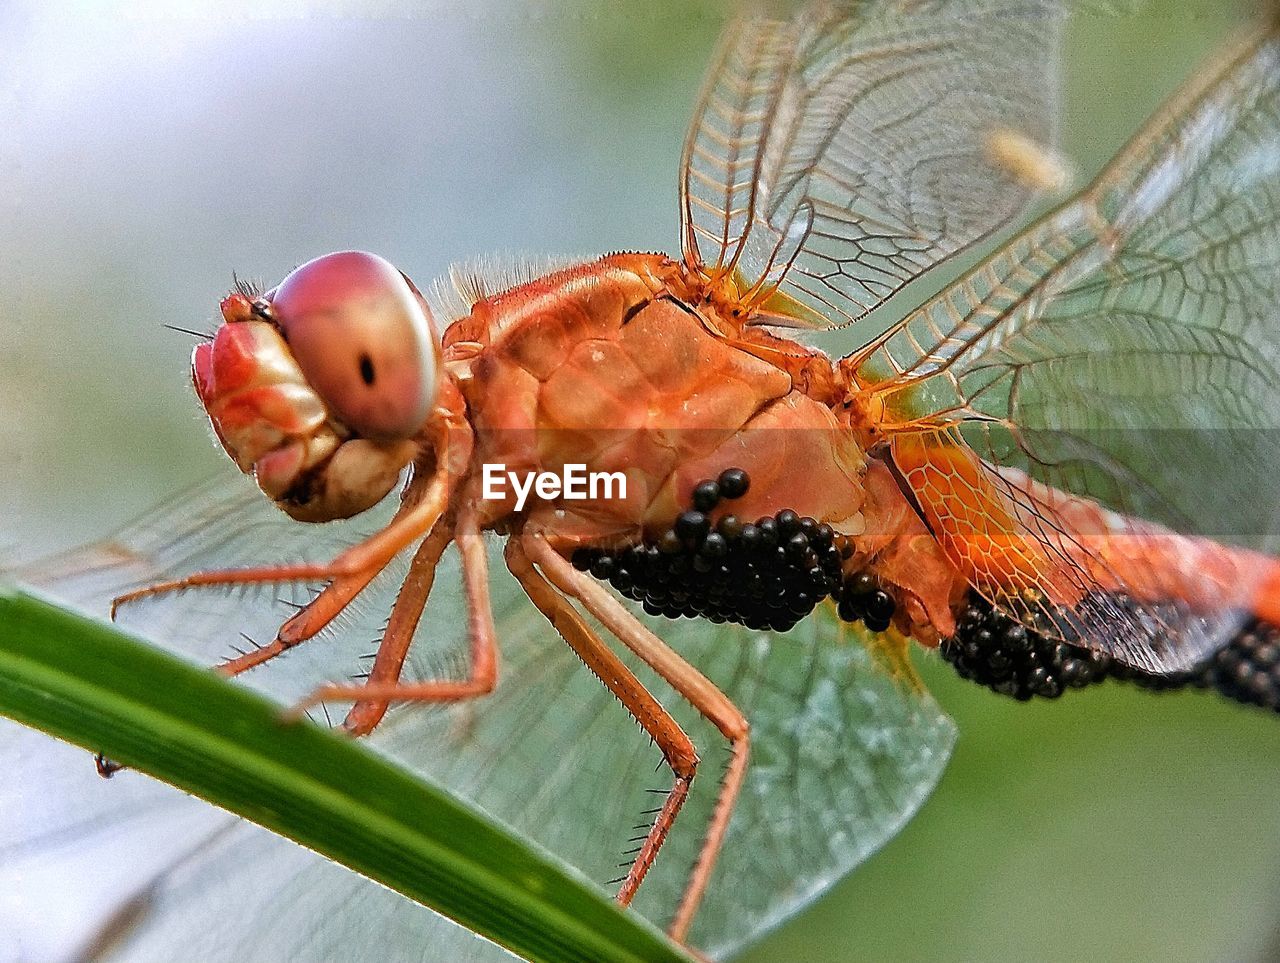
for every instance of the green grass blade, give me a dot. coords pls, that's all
(87, 683)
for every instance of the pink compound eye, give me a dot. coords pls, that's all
(364, 339)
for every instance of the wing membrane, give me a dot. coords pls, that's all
(842, 152)
(843, 754)
(1125, 349)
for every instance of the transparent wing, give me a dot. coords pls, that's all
(842, 756)
(842, 152)
(1127, 349)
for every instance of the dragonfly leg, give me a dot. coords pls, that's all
(675, 745)
(405, 614)
(383, 686)
(700, 691)
(365, 559)
(313, 617)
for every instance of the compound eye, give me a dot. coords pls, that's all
(364, 339)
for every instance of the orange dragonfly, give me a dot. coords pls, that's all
(1043, 470)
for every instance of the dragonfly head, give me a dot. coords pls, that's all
(321, 388)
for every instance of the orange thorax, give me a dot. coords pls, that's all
(604, 364)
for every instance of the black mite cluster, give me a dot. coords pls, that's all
(990, 648)
(1248, 670)
(766, 574)
(994, 650)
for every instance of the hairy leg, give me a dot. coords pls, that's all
(675, 745)
(360, 561)
(313, 617)
(700, 691)
(386, 688)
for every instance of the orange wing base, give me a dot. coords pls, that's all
(972, 520)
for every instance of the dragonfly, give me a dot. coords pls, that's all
(1049, 470)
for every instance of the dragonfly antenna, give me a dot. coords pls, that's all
(202, 335)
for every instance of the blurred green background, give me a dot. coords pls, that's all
(146, 153)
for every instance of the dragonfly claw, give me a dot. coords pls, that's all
(107, 767)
